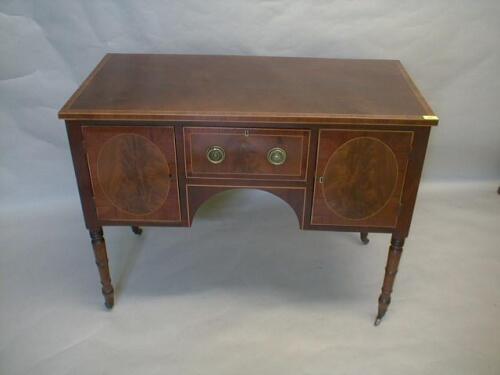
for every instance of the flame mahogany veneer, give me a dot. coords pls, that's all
(341, 141)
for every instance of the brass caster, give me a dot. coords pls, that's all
(137, 230)
(377, 321)
(109, 298)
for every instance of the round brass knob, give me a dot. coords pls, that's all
(216, 154)
(276, 156)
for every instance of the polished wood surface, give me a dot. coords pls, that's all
(246, 152)
(249, 88)
(353, 131)
(360, 177)
(133, 172)
(391, 269)
(101, 260)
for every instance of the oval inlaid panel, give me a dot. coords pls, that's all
(133, 173)
(360, 178)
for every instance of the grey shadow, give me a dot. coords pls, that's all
(246, 241)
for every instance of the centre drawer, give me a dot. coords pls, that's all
(272, 154)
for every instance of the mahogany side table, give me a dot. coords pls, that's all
(341, 141)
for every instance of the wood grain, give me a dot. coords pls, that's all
(364, 174)
(139, 127)
(133, 172)
(249, 88)
(101, 260)
(391, 269)
(246, 153)
(360, 178)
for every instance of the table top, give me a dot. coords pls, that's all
(249, 88)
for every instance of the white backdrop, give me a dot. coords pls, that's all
(244, 291)
(48, 47)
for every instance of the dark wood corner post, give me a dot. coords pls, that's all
(414, 172)
(101, 259)
(391, 269)
(75, 137)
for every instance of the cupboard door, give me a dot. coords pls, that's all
(133, 171)
(360, 177)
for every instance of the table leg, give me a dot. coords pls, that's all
(101, 259)
(364, 237)
(391, 269)
(136, 230)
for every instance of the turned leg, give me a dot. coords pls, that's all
(136, 230)
(391, 269)
(101, 259)
(364, 237)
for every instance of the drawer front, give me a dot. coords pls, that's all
(272, 154)
(360, 177)
(133, 172)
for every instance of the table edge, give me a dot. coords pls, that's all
(67, 113)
